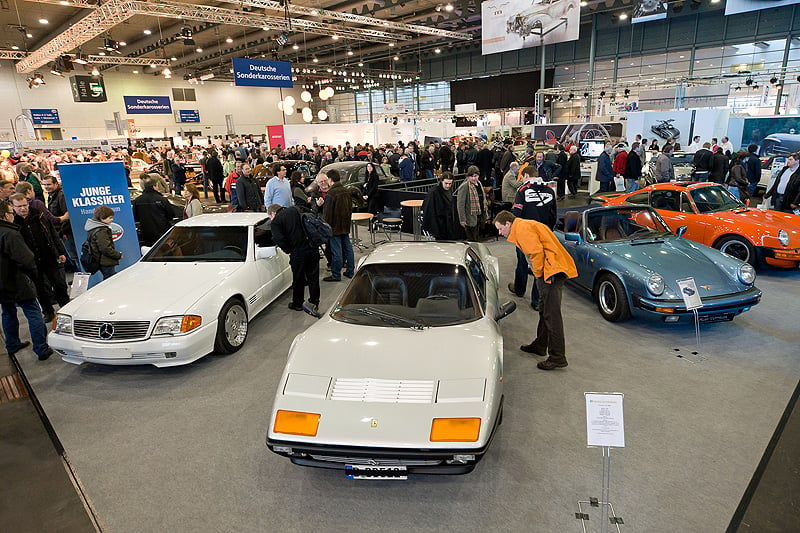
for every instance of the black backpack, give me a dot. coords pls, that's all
(90, 261)
(317, 230)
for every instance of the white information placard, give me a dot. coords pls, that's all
(689, 293)
(605, 425)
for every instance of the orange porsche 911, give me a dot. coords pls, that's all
(714, 217)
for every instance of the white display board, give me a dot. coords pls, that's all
(605, 424)
(514, 24)
(689, 293)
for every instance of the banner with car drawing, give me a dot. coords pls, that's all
(515, 24)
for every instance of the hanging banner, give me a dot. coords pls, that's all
(276, 138)
(87, 89)
(89, 185)
(732, 7)
(188, 115)
(261, 73)
(147, 105)
(515, 24)
(645, 10)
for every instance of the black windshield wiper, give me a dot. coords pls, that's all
(385, 316)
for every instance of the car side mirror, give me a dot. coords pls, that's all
(505, 309)
(681, 231)
(265, 252)
(573, 237)
(145, 249)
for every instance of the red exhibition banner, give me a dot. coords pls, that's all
(275, 134)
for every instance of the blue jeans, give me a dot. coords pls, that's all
(733, 190)
(32, 312)
(72, 252)
(633, 185)
(429, 173)
(108, 271)
(521, 278)
(205, 184)
(342, 252)
(752, 188)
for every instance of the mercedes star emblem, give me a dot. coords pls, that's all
(106, 331)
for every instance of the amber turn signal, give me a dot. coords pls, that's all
(455, 429)
(296, 423)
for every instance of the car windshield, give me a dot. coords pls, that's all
(200, 243)
(409, 295)
(714, 198)
(624, 224)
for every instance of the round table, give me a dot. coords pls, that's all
(355, 218)
(415, 206)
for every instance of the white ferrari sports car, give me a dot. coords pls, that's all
(192, 293)
(404, 374)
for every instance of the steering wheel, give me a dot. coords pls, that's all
(437, 297)
(233, 248)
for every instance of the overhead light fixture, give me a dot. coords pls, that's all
(335, 37)
(63, 3)
(265, 28)
(56, 69)
(95, 72)
(80, 59)
(627, 92)
(623, 16)
(295, 46)
(101, 53)
(602, 94)
(136, 72)
(44, 21)
(748, 81)
(391, 45)
(437, 51)
(122, 43)
(147, 32)
(199, 50)
(173, 58)
(755, 86)
(449, 7)
(166, 71)
(35, 80)
(737, 89)
(349, 51)
(186, 35)
(396, 58)
(314, 59)
(228, 40)
(715, 1)
(15, 47)
(773, 80)
(29, 35)
(361, 64)
(584, 3)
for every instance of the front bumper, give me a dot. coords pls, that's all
(415, 460)
(780, 257)
(715, 308)
(157, 351)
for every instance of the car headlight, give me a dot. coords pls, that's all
(783, 237)
(655, 284)
(455, 429)
(747, 274)
(63, 324)
(176, 325)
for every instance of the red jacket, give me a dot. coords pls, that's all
(619, 163)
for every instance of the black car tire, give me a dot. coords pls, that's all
(232, 327)
(612, 301)
(738, 247)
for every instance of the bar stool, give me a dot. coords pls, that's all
(355, 219)
(391, 220)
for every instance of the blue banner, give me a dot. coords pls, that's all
(147, 105)
(189, 115)
(261, 73)
(89, 185)
(45, 116)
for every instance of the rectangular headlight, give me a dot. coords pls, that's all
(62, 324)
(455, 429)
(296, 423)
(175, 325)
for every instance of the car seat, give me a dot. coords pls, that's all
(451, 287)
(391, 291)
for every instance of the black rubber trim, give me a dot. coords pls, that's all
(747, 497)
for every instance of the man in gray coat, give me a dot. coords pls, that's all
(663, 170)
(471, 204)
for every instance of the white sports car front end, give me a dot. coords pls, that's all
(405, 374)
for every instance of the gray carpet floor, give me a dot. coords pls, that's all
(183, 449)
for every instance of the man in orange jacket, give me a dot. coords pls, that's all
(552, 266)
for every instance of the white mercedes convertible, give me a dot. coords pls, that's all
(192, 293)
(404, 374)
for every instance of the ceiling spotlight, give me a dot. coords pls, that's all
(571, 96)
(44, 21)
(147, 32)
(748, 81)
(95, 71)
(623, 16)
(360, 64)
(153, 65)
(198, 50)
(136, 72)
(228, 40)
(773, 80)
(29, 35)
(437, 51)
(737, 89)
(315, 60)
(602, 94)
(449, 7)
(586, 95)
(779, 85)
(755, 86)
(322, 114)
(173, 58)
(56, 69)
(584, 3)
(186, 35)
(15, 47)
(166, 71)
(349, 51)
(80, 59)
(335, 37)
(627, 92)
(122, 43)
(295, 47)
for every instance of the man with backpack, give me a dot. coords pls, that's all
(290, 235)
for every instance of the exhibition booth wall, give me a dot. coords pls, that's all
(252, 108)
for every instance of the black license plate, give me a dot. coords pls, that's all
(725, 317)
(375, 472)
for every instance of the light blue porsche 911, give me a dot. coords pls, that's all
(631, 262)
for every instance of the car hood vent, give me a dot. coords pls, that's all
(383, 390)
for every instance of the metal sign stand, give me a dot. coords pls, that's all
(607, 515)
(697, 327)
